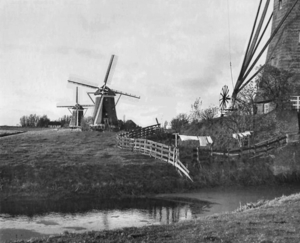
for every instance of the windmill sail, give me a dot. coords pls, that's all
(110, 70)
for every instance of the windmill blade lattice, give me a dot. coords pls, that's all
(224, 98)
(110, 70)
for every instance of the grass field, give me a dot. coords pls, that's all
(64, 163)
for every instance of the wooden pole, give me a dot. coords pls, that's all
(158, 124)
(298, 121)
(176, 134)
(296, 105)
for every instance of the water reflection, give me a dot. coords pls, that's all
(24, 220)
(56, 217)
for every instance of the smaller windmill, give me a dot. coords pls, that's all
(77, 111)
(224, 99)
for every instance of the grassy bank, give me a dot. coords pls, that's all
(270, 221)
(68, 164)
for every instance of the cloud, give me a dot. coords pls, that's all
(97, 24)
(86, 52)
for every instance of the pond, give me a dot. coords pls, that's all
(24, 220)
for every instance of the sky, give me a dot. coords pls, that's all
(170, 52)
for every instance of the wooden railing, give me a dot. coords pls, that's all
(292, 137)
(159, 151)
(162, 152)
(125, 142)
(141, 132)
(257, 149)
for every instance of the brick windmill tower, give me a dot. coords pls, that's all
(284, 49)
(283, 45)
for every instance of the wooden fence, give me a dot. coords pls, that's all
(157, 150)
(256, 150)
(141, 132)
(125, 142)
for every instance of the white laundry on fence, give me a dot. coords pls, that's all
(203, 140)
(241, 135)
(185, 138)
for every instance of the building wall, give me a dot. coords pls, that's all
(284, 49)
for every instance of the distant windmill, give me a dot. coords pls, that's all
(77, 111)
(224, 99)
(105, 106)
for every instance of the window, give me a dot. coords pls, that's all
(280, 4)
(266, 108)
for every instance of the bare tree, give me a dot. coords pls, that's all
(245, 101)
(195, 114)
(180, 122)
(209, 113)
(276, 85)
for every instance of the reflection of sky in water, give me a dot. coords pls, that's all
(78, 217)
(55, 223)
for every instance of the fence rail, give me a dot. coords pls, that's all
(257, 149)
(141, 132)
(153, 149)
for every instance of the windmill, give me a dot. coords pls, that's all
(77, 111)
(252, 54)
(105, 106)
(224, 101)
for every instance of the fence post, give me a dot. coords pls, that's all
(132, 144)
(287, 138)
(176, 134)
(267, 146)
(196, 160)
(174, 155)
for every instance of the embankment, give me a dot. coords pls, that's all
(68, 164)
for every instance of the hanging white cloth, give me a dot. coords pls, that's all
(241, 135)
(185, 138)
(203, 140)
(209, 140)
